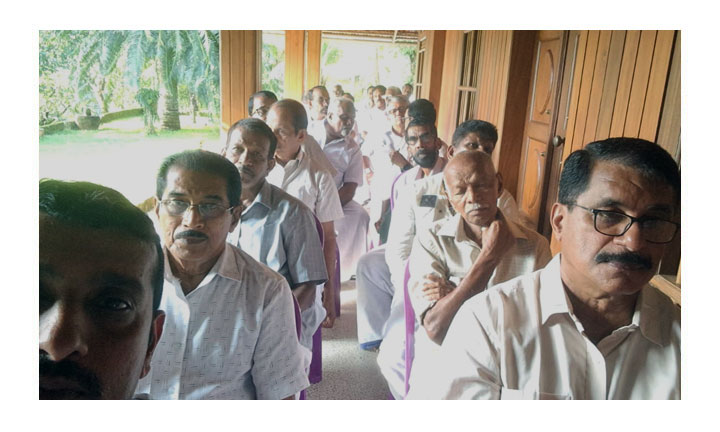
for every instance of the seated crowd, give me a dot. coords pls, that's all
(221, 291)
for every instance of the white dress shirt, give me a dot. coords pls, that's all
(309, 182)
(522, 340)
(232, 337)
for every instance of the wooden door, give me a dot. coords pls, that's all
(541, 122)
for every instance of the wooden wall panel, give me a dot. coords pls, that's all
(612, 75)
(239, 72)
(575, 93)
(433, 67)
(294, 63)
(669, 130)
(588, 69)
(314, 47)
(656, 85)
(638, 92)
(451, 75)
(629, 56)
(598, 82)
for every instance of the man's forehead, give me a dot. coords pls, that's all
(418, 130)
(626, 186)
(262, 100)
(183, 181)
(247, 137)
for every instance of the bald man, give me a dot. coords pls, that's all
(307, 180)
(461, 256)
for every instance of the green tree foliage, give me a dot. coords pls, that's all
(273, 69)
(94, 69)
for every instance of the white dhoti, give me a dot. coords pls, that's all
(391, 357)
(374, 297)
(351, 237)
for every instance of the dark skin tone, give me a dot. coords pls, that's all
(470, 179)
(250, 153)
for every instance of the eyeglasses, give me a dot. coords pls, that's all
(425, 138)
(260, 112)
(614, 224)
(207, 210)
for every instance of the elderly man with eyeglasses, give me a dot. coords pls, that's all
(230, 330)
(588, 325)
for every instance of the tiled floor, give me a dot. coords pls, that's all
(348, 371)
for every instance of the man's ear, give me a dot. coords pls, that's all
(271, 164)
(450, 152)
(157, 207)
(156, 328)
(558, 214)
(301, 134)
(235, 214)
(498, 176)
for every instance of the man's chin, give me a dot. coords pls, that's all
(65, 394)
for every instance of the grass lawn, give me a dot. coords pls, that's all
(119, 155)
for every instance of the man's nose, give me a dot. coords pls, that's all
(633, 239)
(192, 217)
(61, 332)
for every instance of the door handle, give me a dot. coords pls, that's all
(557, 141)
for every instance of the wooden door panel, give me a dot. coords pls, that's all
(539, 123)
(545, 80)
(536, 157)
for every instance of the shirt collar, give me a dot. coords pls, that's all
(454, 227)
(649, 314)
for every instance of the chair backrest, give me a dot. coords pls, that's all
(298, 318)
(319, 227)
(409, 329)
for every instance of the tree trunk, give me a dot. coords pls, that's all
(171, 116)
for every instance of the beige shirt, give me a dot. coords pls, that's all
(522, 340)
(419, 204)
(446, 250)
(310, 182)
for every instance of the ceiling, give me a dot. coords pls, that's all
(398, 36)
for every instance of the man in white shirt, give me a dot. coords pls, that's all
(276, 228)
(407, 91)
(374, 288)
(464, 255)
(230, 329)
(587, 326)
(307, 180)
(388, 156)
(342, 151)
(419, 205)
(101, 278)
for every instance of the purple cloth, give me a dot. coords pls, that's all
(409, 330)
(315, 375)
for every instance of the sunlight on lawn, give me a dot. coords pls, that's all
(119, 155)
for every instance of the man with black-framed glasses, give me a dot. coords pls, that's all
(230, 329)
(588, 325)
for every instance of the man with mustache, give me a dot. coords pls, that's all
(230, 328)
(101, 269)
(386, 155)
(276, 228)
(465, 254)
(342, 151)
(259, 104)
(588, 325)
(417, 207)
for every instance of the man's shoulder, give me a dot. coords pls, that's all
(287, 203)
(244, 269)
(430, 185)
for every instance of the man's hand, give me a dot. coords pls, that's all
(398, 159)
(329, 305)
(433, 288)
(497, 239)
